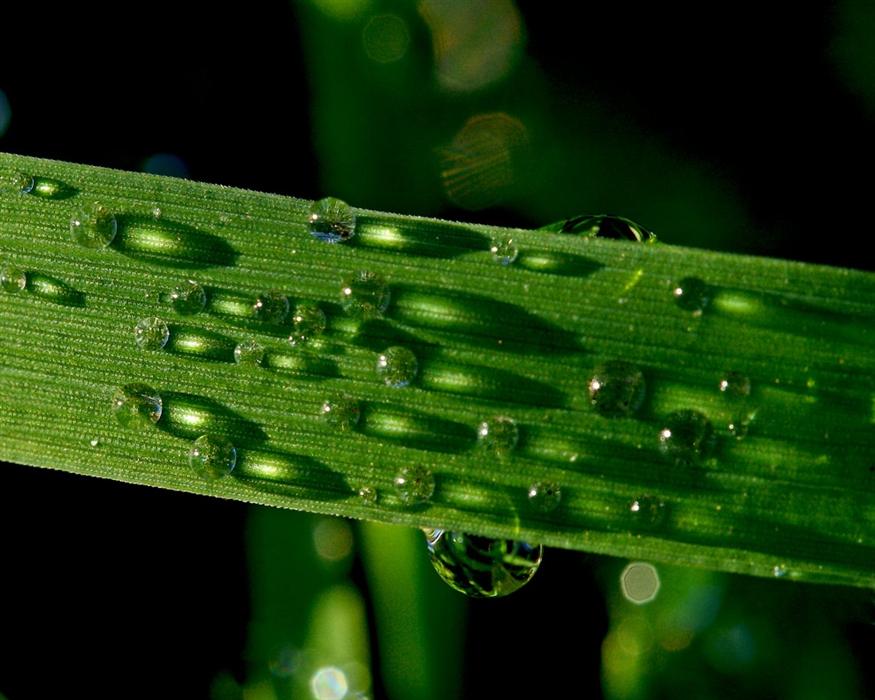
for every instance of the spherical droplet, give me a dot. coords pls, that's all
(271, 307)
(481, 567)
(212, 457)
(136, 406)
(12, 279)
(544, 496)
(414, 485)
(151, 333)
(735, 385)
(331, 220)
(616, 389)
(93, 226)
(365, 294)
(397, 366)
(691, 294)
(16, 183)
(188, 298)
(309, 321)
(504, 250)
(341, 412)
(249, 353)
(687, 437)
(498, 436)
(648, 510)
(605, 226)
(368, 494)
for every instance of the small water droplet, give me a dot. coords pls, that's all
(617, 389)
(249, 353)
(12, 279)
(397, 366)
(341, 412)
(504, 250)
(365, 294)
(481, 567)
(136, 406)
(692, 294)
(16, 183)
(94, 442)
(544, 496)
(648, 510)
(151, 333)
(739, 425)
(309, 321)
(687, 437)
(212, 457)
(331, 220)
(271, 307)
(188, 298)
(780, 571)
(368, 494)
(93, 226)
(414, 485)
(735, 385)
(498, 435)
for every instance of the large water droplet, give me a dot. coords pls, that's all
(648, 510)
(365, 294)
(93, 226)
(498, 436)
(151, 333)
(341, 412)
(271, 307)
(603, 226)
(16, 183)
(212, 457)
(309, 321)
(692, 294)
(12, 279)
(504, 250)
(481, 567)
(616, 389)
(331, 220)
(397, 366)
(188, 298)
(136, 406)
(687, 437)
(544, 496)
(414, 485)
(249, 353)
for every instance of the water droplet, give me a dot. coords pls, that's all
(136, 406)
(151, 333)
(188, 298)
(544, 496)
(16, 183)
(687, 437)
(739, 425)
(648, 510)
(212, 457)
(271, 307)
(368, 495)
(617, 389)
(331, 220)
(504, 250)
(498, 435)
(414, 485)
(12, 279)
(691, 294)
(481, 567)
(735, 385)
(341, 412)
(249, 353)
(606, 226)
(309, 321)
(93, 226)
(397, 366)
(365, 294)
(780, 571)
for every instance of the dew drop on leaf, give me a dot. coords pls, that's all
(308, 321)
(93, 226)
(331, 220)
(397, 366)
(368, 494)
(271, 307)
(414, 485)
(607, 226)
(12, 279)
(544, 496)
(188, 298)
(212, 457)
(735, 385)
(687, 437)
(504, 250)
(151, 333)
(648, 510)
(481, 567)
(616, 389)
(136, 406)
(365, 294)
(341, 412)
(249, 352)
(16, 183)
(691, 294)
(498, 436)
